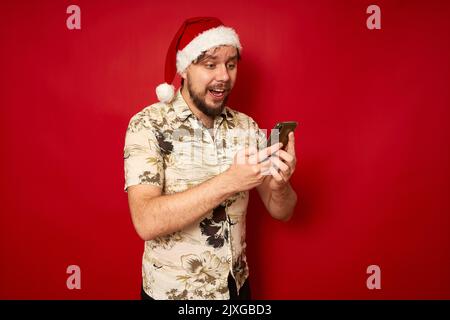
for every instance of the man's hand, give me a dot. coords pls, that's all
(248, 164)
(285, 161)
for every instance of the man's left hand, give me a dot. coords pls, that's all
(285, 161)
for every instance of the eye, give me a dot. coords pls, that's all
(231, 66)
(210, 65)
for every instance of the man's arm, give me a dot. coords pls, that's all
(280, 203)
(155, 215)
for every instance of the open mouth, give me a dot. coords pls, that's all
(218, 94)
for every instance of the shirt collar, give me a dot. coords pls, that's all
(183, 111)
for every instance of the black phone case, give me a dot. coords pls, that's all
(280, 133)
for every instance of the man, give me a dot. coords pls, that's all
(190, 162)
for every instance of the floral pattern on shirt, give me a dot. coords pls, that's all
(202, 276)
(214, 228)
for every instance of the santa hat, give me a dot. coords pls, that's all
(195, 36)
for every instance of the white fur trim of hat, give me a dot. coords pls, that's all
(204, 41)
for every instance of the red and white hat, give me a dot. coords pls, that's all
(195, 36)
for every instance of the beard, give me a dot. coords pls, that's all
(200, 102)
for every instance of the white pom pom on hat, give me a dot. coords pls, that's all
(195, 36)
(165, 92)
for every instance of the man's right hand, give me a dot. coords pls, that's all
(248, 165)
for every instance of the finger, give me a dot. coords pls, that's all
(281, 174)
(280, 164)
(276, 175)
(266, 152)
(285, 156)
(291, 143)
(265, 165)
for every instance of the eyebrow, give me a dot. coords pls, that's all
(210, 57)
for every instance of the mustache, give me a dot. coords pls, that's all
(225, 87)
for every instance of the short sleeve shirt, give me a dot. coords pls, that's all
(167, 146)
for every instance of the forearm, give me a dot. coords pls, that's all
(169, 213)
(282, 203)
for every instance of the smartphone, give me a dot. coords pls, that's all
(280, 133)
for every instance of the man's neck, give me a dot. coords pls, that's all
(207, 121)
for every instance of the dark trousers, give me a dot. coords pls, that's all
(244, 292)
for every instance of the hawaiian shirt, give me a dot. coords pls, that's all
(167, 146)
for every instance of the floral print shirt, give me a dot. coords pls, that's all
(167, 146)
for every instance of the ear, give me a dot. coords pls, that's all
(184, 74)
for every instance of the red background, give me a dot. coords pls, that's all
(373, 143)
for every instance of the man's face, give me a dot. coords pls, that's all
(210, 80)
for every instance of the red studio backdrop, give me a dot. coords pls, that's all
(373, 173)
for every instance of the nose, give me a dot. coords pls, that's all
(222, 73)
